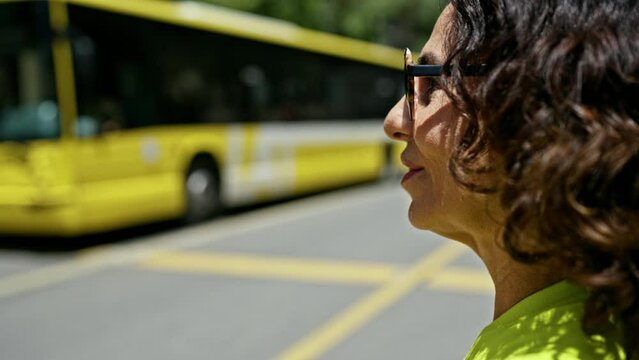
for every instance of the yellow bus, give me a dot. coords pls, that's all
(122, 112)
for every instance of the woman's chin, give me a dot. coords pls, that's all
(419, 219)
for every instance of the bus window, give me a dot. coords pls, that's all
(158, 73)
(27, 92)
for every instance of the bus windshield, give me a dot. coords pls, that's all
(28, 110)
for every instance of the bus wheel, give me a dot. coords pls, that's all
(202, 191)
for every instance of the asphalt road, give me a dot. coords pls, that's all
(335, 276)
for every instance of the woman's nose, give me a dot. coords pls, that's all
(398, 125)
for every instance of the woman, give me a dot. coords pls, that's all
(524, 146)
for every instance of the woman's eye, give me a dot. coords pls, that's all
(426, 88)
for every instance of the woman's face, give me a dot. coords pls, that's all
(438, 203)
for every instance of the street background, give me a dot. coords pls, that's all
(339, 275)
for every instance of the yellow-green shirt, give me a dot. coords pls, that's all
(545, 326)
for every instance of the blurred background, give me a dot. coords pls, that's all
(398, 23)
(210, 179)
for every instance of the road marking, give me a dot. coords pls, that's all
(353, 318)
(106, 256)
(272, 267)
(463, 280)
(39, 278)
(456, 279)
(219, 229)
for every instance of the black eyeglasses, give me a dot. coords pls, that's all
(411, 70)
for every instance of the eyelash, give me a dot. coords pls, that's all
(427, 87)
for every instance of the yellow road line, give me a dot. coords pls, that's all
(270, 267)
(347, 322)
(106, 256)
(48, 275)
(309, 270)
(463, 280)
(245, 223)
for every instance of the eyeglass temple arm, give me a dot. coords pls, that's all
(438, 70)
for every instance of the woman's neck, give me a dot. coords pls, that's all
(515, 281)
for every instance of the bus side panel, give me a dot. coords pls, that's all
(39, 220)
(323, 166)
(82, 186)
(109, 205)
(137, 176)
(271, 160)
(260, 164)
(36, 192)
(111, 181)
(125, 178)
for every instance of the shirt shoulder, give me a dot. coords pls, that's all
(546, 325)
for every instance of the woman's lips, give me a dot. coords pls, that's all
(410, 174)
(413, 169)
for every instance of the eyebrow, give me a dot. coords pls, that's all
(427, 58)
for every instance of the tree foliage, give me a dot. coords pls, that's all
(397, 23)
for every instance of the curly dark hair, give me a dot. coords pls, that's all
(559, 104)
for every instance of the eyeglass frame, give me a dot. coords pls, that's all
(418, 70)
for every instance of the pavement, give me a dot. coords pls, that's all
(340, 275)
